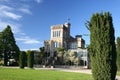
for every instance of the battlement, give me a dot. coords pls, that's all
(60, 26)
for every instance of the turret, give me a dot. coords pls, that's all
(67, 24)
(80, 41)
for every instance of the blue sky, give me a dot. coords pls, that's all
(31, 19)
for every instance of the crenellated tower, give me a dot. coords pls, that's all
(61, 38)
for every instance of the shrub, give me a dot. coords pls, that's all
(118, 53)
(102, 47)
(22, 57)
(30, 59)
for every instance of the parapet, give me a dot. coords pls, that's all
(59, 26)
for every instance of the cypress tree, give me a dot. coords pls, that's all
(22, 59)
(102, 46)
(118, 53)
(30, 59)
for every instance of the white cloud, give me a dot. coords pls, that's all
(4, 0)
(27, 40)
(15, 27)
(8, 12)
(39, 1)
(4, 7)
(12, 15)
(32, 41)
(25, 10)
(36, 49)
(19, 35)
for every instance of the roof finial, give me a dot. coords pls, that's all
(67, 24)
(68, 19)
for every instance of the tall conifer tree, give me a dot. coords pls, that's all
(8, 45)
(102, 46)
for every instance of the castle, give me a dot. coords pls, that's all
(61, 38)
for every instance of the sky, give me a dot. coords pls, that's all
(30, 20)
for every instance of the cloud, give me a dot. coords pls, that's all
(12, 15)
(11, 1)
(4, 0)
(36, 49)
(4, 7)
(11, 11)
(15, 27)
(39, 1)
(19, 35)
(25, 10)
(8, 12)
(27, 40)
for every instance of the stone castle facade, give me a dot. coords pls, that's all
(61, 38)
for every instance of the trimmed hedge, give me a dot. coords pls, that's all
(22, 59)
(102, 47)
(30, 59)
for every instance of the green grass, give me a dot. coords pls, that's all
(118, 73)
(28, 74)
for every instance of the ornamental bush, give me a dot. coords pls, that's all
(30, 59)
(118, 53)
(22, 59)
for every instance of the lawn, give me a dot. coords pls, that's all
(28, 74)
(118, 73)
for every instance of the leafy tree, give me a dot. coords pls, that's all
(60, 53)
(102, 46)
(118, 53)
(30, 59)
(8, 46)
(22, 59)
(71, 58)
(42, 52)
(43, 55)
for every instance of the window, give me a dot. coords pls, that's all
(56, 44)
(59, 33)
(56, 34)
(53, 34)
